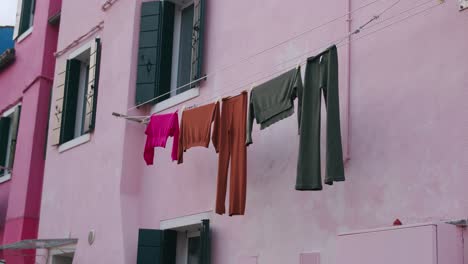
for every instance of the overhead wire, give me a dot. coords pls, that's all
(224, 68)
(311, 52)
(401, 20)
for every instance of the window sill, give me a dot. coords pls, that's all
(74, 142)
(24, 35)
(5, 178)
(175, 100)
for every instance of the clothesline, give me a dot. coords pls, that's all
(312, 52)
(143, 119)
(222, 69)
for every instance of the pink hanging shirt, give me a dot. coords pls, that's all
(158, 130)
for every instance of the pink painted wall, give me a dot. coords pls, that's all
(28, 80)
(405, 127)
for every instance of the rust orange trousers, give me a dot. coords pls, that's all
(232, 147)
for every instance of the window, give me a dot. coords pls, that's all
(24, 17)
(66, 258)
(61, 255)
(75, 91)
(182, 55)
(170, 48)
(9, 123)
(188, 244)
(193, 248)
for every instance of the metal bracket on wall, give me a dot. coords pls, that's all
(463, 4)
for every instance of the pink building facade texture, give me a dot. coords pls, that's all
(25, 85)
(403, 89)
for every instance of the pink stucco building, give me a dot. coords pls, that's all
(26, 76)
(403, 89)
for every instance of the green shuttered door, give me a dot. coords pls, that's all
(155, 51)
(205, 237)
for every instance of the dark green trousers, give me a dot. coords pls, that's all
(321, 75)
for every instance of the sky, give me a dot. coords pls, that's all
(7, 12)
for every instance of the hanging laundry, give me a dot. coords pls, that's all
(321, 75)
(161, 127)
(274, 100)
(232, 146)
(195, 128)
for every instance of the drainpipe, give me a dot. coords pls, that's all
(348, 86)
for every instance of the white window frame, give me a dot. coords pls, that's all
(7, 176)
(188, 236)
(24, 35)
(53, 252)
(81, 97)
(175, 98)
(19, 14)
(80, 140)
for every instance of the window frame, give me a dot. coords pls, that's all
(60, 251)
(190, 226)
(6, 176)
(192, 92)
(21, 32)
(84, 137)
(189, 235)
(176, 46)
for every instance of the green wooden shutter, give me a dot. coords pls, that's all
(4, 132)
(14, 136)
(72, 81)
(92, 87)
(205, 237)
(156, 246)
(155, 51)
(197, 40)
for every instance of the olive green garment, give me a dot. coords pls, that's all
(321, 75)
(273, 101)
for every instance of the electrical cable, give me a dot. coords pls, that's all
(311, 52)
(222, 69)
(242, 87)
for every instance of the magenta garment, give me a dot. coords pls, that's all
(158, 130)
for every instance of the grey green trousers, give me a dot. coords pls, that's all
(321, 75)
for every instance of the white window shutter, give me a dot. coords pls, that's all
(18, 18)
(92, 86)
(57, 102)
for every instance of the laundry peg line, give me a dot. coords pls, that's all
(222, 69)
(310, 53)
